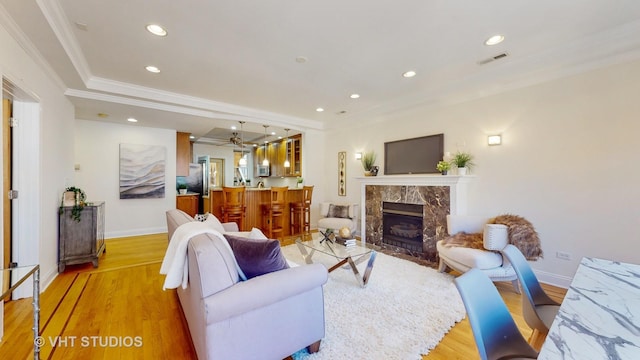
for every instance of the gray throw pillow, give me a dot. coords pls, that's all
(256, 256)
(338, 211)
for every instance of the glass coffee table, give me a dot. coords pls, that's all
(351, 255)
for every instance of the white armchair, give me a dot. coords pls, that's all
(462, 259)
(338, 216)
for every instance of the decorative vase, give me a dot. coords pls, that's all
(444, 172)
(182, 191)
(69, 198)
(300, 185)
(462, 171)
(367, 173)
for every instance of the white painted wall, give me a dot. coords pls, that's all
(568, 162)
(97, 152)
(53, 145)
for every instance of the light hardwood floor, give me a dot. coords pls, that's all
(119, 311)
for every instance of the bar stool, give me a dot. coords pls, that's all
(233, 205)
(273, 212)
(300, 217)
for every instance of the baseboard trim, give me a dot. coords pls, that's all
(553, 279)
(134, 232)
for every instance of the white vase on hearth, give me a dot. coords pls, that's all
(462, 171)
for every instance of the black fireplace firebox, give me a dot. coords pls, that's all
(402, 225)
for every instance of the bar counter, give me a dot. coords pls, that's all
(254, 198)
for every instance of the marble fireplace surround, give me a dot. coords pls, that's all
(439, 194)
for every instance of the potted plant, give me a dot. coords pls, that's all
(300, 182)
(463, 161)
(182, 188)
(368, 159)
(75, 197)
(443, 166)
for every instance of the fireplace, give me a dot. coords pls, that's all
(438, 195)
(402, 225)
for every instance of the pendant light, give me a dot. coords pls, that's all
(265, 162)
(286, 161)
(243, 159)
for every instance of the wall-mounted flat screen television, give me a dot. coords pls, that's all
(413, 156)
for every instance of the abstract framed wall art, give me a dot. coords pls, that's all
(342, 173)
(142, 171)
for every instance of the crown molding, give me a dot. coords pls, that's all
(142, 92)
(19, 36)
(59, 23)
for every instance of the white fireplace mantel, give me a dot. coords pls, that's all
(457, 188)
(416, 180)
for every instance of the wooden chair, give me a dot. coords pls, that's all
(273, 212)
(233, 205)
(300, 216)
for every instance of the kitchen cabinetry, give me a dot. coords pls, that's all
(183, 153)
(81, 241)
(294, 152)
(279, 151)
(187, 203)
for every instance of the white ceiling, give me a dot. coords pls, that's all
(229, 60)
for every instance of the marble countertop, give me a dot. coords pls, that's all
(600, 314)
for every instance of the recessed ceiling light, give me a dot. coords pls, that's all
(279, 137)
(191, 137)
(409, 74)
(495, 39)
(152, 69)
(132, 120)
(319, 109)
(354, 96)
(156, 30)
(301, 59)
(233, 127)
(273, 133)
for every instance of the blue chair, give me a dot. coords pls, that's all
(538, 309)
(495, 332)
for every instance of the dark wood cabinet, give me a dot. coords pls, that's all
(81, 241)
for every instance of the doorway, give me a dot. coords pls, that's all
(21, 175)
(6, 186)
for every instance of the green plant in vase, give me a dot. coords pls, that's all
(443, 166)
(368, 161)
(76, 198)
(463, 161)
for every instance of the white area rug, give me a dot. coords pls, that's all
(405, 310)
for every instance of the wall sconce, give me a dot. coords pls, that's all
(494, 140)
(358, 156)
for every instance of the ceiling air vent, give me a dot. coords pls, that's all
(493, 58)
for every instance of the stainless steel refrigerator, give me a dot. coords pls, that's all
(197, 182)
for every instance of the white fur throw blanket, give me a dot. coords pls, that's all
(175, 264)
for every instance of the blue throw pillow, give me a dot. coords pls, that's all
(256, 256)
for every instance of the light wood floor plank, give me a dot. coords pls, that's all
(123, 297)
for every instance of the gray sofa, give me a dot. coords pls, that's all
(266, 317)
